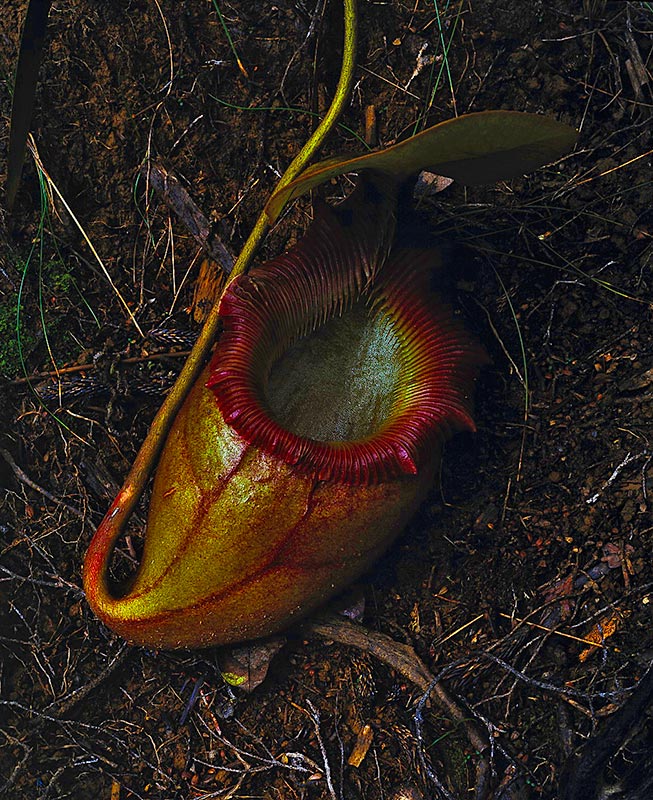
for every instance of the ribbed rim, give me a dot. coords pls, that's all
(341, 261)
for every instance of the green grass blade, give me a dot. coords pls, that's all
(241, 66)
(25, 82)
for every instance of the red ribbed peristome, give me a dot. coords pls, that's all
(340, 262)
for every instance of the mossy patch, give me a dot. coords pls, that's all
(20, 323)
(15, 336)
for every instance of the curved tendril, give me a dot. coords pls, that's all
(116, 518)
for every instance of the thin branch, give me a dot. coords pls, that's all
(582, 774)
(24, 478)
(403, 659)
(179, 200)
(39, 376)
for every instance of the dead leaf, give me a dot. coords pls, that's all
(246, 667)
(363, 743)
(600, 632)
(614, 554)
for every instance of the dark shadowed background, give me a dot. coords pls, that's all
(536, 550)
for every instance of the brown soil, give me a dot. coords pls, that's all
(539, 540)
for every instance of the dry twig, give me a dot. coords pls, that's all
(24, 478)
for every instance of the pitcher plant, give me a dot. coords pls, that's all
(315, 431)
